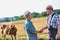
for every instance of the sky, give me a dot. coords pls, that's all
(9, 8)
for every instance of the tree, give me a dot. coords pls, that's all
(43, 14)
(57, 11)
(16, 18)
(22, 17)
(35, 15)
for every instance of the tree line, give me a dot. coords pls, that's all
(37, 15)
(34, 15)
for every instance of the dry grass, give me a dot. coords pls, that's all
(38, 23)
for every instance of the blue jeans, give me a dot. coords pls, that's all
(52, 33)
(32, 37)
(52, 36)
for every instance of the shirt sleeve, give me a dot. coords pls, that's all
(32, 28)
(57, 20)
(29, 27)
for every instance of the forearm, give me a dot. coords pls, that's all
(45, 27)
(58, 31)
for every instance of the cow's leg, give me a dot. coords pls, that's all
(3, 37)
(12, 37)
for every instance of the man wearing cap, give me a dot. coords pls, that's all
(29, 27)
(53, 24)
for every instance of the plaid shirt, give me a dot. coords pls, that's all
(54, 21)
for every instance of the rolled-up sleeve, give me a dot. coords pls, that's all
(32, 28)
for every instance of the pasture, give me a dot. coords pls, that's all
(21, 34)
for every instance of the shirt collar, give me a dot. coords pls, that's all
(51, 14)
(28, 20)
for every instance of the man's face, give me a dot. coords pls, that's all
(48, 11)
(30, 16)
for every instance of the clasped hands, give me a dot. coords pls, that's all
(40, 31)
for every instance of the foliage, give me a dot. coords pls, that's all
(34, 15)
(43, 14)
(22, 17)
(57, 11)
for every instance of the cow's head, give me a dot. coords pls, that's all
(3, 26)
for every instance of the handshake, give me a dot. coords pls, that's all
(40, 31)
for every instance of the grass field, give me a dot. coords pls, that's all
(38, 23)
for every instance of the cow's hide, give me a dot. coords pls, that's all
(9, 30)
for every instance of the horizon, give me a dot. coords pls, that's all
(22, 14)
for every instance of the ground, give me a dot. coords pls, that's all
(38, 23)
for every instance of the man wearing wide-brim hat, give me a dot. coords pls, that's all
(29, 27)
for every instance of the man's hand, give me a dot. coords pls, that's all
(41, 30)
(58, 36)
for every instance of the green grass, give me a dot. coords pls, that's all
(26, 39)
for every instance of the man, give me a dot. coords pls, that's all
(53, 24)
(29, 27)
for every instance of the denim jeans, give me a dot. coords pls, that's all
(52, 33)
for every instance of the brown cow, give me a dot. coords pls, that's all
(9, 30)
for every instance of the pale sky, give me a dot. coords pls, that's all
(10, 8)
